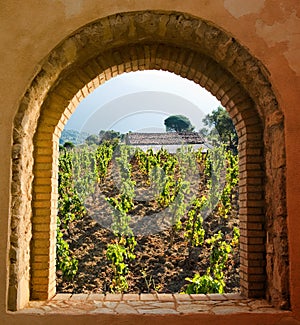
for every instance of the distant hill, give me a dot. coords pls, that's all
(73, 136)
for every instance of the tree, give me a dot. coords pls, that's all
(108, 135)
(69, 145)
(178, 123)
(92, 139)
(223, 126)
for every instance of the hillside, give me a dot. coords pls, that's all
(73, 136)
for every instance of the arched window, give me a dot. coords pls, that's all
(193, 49)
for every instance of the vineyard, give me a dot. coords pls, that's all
(134, 221)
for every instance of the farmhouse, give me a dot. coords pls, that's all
(171, 141)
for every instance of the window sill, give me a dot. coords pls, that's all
(155, 304)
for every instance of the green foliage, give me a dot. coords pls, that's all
(225, 206)
(194, 228)
(146, 161)
(163, 176)
(178, 123)
(221, 169)
(171, 178)
(64, 261)
(69, 145)
(178, 208)
(70, 208)
(124, 202)
(84, 171)
(121, 219)
(204, 284)
(116, 254)
(127, 185)
(109, 136)
(160, 168)
(223, 128)
(215, 169)
(73, 136)
(235, 237)
(219, 251)
(218, 257)
(120, 253)
(188, 160)
(92, 139)
(77, 176)
(104, 155)
(167, 194)
(213, 280)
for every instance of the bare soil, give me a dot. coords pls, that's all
(159, 266)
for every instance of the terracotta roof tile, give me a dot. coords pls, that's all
(166, 138)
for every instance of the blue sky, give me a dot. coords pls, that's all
(140, 102)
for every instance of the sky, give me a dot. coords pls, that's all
(140, 102)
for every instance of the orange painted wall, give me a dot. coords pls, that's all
(270, 29)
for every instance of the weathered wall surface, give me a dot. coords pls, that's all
(29, 30)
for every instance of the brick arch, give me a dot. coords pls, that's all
(193, 49)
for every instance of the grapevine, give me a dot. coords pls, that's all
(70, 208)
(173, 179)
(121, 252)
(194, 229)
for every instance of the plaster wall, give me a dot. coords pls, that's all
(29, 30)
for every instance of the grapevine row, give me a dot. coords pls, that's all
(173, 180)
